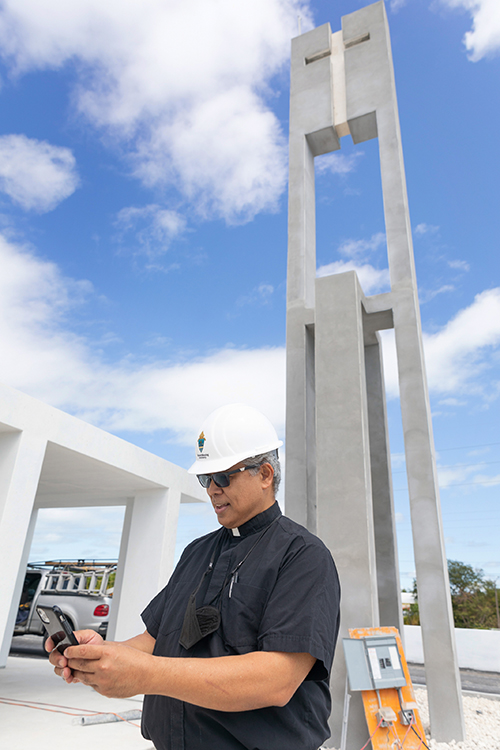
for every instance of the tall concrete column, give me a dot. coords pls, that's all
(370, 87)
(388, 584)
(21, 459)
(345, 512)
(311, 134)
(149, 534)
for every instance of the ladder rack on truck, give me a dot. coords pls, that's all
(86, 577)
(82, 589)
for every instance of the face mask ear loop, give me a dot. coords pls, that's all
(210, 564)
(190, 631)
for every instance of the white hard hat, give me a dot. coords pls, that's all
(229, 435)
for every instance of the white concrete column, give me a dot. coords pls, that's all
(388, 584)
(370, 87)
(311, 133)
(345, 512)
(146, 558)
(21, 459)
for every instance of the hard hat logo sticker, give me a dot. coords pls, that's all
(201, 441)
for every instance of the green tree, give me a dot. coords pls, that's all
(472, 598)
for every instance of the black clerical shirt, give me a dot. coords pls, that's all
(284, 597)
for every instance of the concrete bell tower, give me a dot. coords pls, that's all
(338, 478)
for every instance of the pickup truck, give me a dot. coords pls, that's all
(81, 589)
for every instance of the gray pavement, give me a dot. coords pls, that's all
(29, 677)
(471, 680)
(45, 727)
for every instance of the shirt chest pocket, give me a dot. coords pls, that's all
(175, 609)
(243, 606)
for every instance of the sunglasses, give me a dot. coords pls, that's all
(221, 478)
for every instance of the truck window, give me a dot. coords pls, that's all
(30, 586)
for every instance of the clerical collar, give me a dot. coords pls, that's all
(257, 523)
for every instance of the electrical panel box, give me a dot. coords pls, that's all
(373, 663)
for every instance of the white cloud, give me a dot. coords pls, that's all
(261, 295)
(484, 38)
(458, 354)
(426, 295)
(34, 174)
(466, 476)
(69, 533)
(395, 5)
(337, 163)
(362, 248)
(459, 265)
(421, 229)
(372, 280)
(40, 356)
(487, 479)
(153, 227)
(185, 86)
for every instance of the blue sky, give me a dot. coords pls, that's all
(143, 224)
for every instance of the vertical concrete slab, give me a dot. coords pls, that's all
(345, 513)
(311, 132)
(388, 584)
(21, 459)
(146, 558)
(370, 87)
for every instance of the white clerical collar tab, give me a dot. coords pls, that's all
(236, 532)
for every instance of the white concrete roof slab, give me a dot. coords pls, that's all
(73, 478)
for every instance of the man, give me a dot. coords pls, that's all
(238, 646)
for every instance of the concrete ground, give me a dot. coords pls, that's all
(29, 677)
(24, 728)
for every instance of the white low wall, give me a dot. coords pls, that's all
(476, 649)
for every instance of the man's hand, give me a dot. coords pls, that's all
(112, 669)
(227, 683)
(60, 661)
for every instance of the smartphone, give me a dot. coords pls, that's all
(57, 627)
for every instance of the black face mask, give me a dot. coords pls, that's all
(203, 621)
(198, 622)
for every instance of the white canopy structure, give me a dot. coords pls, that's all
(49, 459)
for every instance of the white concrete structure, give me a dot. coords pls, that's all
(49, 459)
(476, 649)
(338, 479)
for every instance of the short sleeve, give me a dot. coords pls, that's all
(302, 612)
(152, 615)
